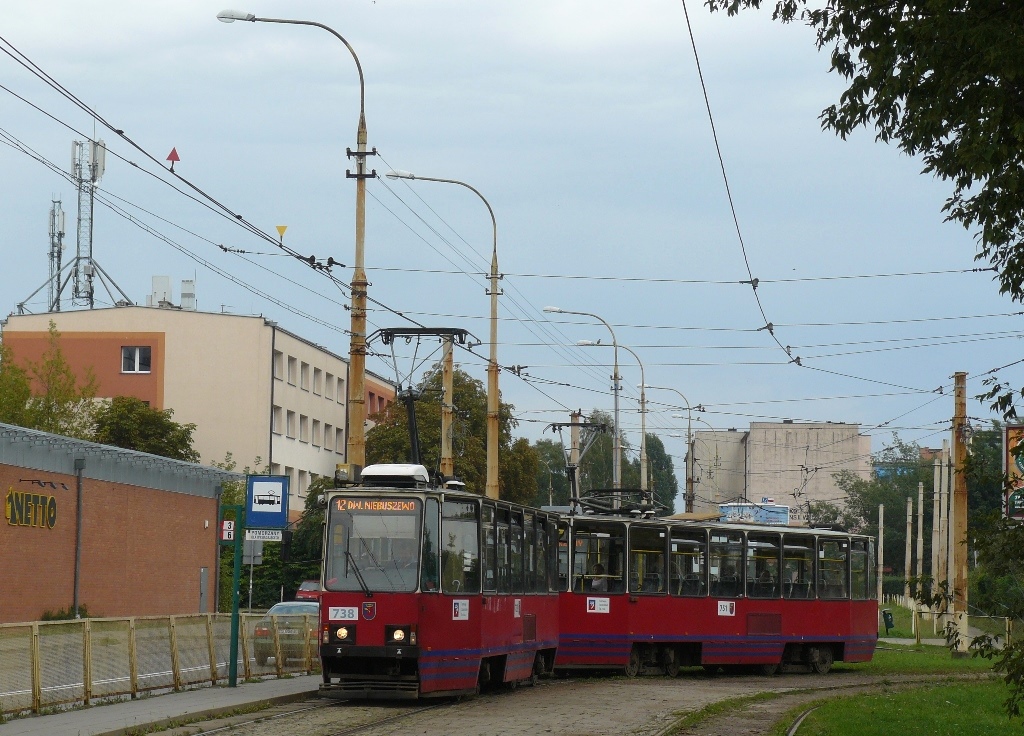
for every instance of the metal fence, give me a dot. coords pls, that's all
(52, 664)
(933, 624)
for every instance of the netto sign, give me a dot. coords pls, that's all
(30, 509)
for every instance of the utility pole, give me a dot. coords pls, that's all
(447, 407)
(881, 557)
(936, 482)
(959, 510)
(689, 472)
(574, 451)
(944, 513)
(920, 552)
(909, 548)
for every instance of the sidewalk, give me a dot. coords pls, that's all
(881, 640)
(117, 718)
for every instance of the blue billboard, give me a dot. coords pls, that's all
(755, 513)
(266, 502)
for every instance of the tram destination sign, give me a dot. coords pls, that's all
(389, 505)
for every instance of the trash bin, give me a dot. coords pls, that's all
(887, 619)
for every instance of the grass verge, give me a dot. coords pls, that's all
(897, 659)
(953, 709)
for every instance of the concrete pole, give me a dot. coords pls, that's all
(920, 552)
(574, 449)
(909, 548)
(959, 510)
(447, 407)
(934, 570)
(79, 468)
(944, 513)
(881, 557)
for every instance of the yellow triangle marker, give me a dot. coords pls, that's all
(280, 231)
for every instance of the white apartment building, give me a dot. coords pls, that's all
(254, 390)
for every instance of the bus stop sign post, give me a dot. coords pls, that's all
(233, 536)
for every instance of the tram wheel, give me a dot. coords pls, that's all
(670, 662)
(711, 670)
(538, 668)
(769, 669)
(822, 662)
(633, 668)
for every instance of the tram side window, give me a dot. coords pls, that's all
(832, 568)
(646, 559)
(460, 553)
(543, 554)
(763, 565)
(529, 554)
(431, 534)
(872, 579)
(688, 557)
(726, 563)
(516, 552)
(504, 549)
(599, 554)
(563, 556)
(859, 566)
(798, 567)
(490, 550)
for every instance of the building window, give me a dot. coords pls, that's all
(318, 379)
(304, 377)
(136, 359)
(275, 469)
(316, 433)
(329, 386)
(303, 483)
(277, 426)
(278, 365)
(328, 437)
(293, 368)
(290, 428)
(339, 441)
(303, 428)
(341, 390)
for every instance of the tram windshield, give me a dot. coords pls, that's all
(373, 544)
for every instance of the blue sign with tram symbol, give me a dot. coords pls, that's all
(266, 502)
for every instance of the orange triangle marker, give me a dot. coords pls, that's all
(172, 157)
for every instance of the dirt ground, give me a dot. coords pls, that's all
(580, 706)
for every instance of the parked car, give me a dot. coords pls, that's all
(310, 590)
(296, 625)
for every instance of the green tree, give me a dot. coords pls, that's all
(662, 473)
(596, 465)
(897, 470)
(60, 402)
(388, 441)
(131, 423)
(551, 474)
(15, 389)
(984, 474)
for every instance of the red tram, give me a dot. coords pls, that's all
(647, 592)
(433, 592)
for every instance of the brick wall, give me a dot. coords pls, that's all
(142, 549)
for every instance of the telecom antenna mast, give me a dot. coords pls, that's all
(56, 254)
(87, 163)
(88, 159)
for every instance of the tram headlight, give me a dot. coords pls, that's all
(398, 635)
(342, 633)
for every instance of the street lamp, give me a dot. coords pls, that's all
(356, 407)
(643, 411)
(492, 362)
(616, 378)
(689, 445)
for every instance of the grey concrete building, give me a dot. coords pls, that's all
(789, 462)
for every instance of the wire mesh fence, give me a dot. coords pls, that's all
(52, 664)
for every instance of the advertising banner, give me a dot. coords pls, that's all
(1013, 466)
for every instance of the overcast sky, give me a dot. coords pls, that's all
(584, 125)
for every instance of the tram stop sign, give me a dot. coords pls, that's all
(266, 502)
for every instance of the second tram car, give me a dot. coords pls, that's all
(667, 593)
(433, 592)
